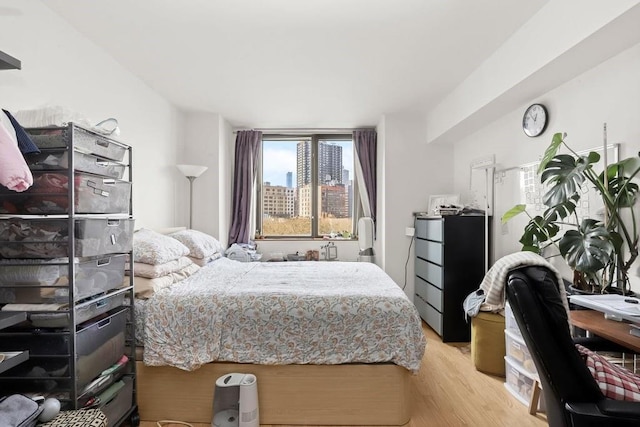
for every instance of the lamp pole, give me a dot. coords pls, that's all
(191, 179)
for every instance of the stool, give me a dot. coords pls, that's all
(78, 418)
(487, 343)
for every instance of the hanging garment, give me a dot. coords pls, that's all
(25, 144)
(14, 172)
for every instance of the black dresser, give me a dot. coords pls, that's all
(449, 265)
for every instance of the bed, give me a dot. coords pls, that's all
(330, 343)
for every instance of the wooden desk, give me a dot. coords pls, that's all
(594, 322)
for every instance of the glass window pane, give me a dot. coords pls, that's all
(335, 187)
(286, 205)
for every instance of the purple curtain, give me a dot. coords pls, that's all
(246, 166)
(365, 142)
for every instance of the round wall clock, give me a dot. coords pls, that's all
(535, 119)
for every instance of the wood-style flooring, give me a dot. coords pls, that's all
(448, 391)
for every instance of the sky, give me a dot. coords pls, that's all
(279, 157)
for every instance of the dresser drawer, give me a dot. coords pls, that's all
(431, 251)
(432, 273)
(429, 293)
(429, 314)
(429, 229)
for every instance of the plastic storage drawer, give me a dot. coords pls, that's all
(83, 139)
(116, 401)
(25, 282)
(518, 352)
(55, 159)
(99, 344)
(520, 384)
(510, 321)
(47, 238)
(49, 195)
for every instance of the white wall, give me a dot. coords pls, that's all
(609, 92)
(411, 171)
(62, 67)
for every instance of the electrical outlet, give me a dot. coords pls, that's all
(409, 231)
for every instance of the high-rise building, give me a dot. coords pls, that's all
(278, 201)
(290, 179)
(329, 163)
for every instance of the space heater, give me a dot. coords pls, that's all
(365, 239)
(235, 401)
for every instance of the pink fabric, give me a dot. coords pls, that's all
(14, 172)
(614, 381)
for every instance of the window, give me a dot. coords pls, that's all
(307, 186)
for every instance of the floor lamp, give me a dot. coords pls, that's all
(191, 172)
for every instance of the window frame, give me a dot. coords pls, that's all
(315, 139)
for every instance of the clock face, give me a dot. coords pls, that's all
(534, 121)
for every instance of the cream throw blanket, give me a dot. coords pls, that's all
(496, 278)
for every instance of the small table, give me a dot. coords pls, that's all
(617, 332)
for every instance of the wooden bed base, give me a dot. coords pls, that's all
(355, 394)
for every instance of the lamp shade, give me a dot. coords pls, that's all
(192, 170)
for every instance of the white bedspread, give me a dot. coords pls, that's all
(283, 313)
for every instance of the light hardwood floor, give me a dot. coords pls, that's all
(448, 391)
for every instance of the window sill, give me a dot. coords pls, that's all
(303, 239)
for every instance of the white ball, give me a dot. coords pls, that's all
(51, 408)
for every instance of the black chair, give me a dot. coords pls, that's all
(572, 396)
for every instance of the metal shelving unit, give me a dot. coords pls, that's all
(85, 231)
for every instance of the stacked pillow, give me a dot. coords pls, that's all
(202, 247)
(158, 262)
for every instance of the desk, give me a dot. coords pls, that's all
(594, 321)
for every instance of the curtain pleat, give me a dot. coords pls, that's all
(365, 142)
(247, 152)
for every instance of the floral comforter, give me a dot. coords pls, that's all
(283, 313)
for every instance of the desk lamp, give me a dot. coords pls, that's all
(191, 172)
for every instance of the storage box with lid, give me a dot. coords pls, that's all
(49, 195)
(100, 343)
(36, 237)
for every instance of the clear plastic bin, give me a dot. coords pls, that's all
(47, 237)
(100, 343)
(52, 160)
(83, 139)
(517, 350)
(49, 195)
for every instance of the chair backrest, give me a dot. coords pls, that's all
(534, 298)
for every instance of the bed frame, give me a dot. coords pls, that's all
(352, 394)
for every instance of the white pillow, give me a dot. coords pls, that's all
(154, 248)
(200, 245)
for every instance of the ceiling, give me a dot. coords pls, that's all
(299, 63)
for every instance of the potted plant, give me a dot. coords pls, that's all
(600, 251)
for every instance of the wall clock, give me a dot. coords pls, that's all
(535, 120)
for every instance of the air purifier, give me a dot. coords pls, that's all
(235, 401)
(365, 239)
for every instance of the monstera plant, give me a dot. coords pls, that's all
(600, 251)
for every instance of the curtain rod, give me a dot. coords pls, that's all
(304, 130)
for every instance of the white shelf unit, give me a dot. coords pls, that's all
(63, 243)
(521, 373)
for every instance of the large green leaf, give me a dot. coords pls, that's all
(565, 174)
(514, 211)
(551, 150)
(587, 249)
(620, 184)
(536, 232)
